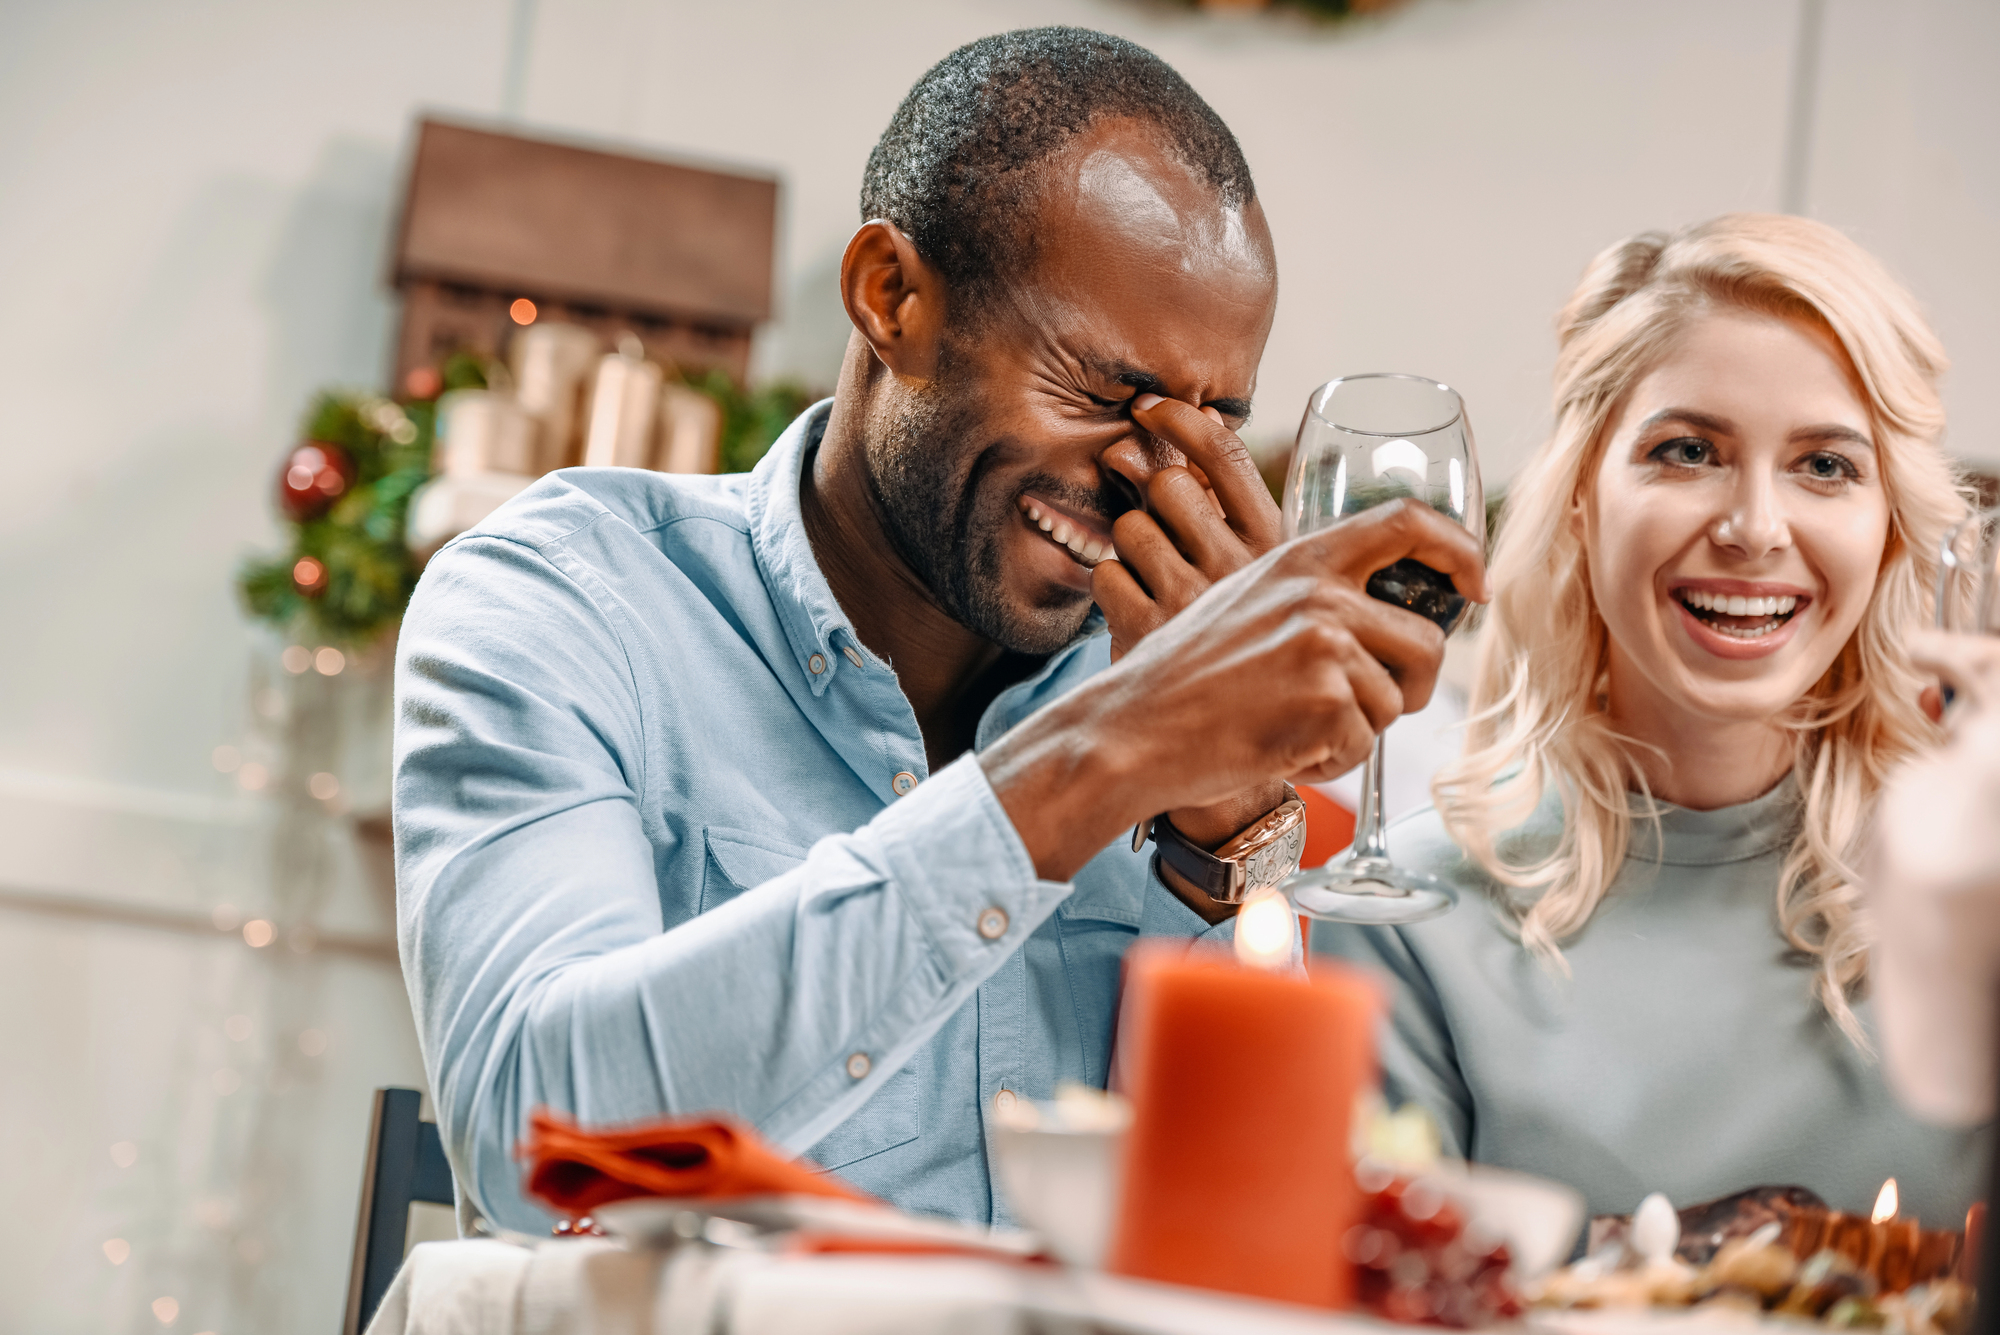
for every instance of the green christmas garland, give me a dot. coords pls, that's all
(348, 573)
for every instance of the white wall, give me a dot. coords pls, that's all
(193, 204)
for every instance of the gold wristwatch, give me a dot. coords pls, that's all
(1258, 858)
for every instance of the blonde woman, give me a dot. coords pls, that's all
(1691, 686)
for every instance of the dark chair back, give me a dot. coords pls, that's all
(406, 1163)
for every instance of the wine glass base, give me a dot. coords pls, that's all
(1368, 890)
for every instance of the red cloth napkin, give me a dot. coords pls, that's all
(575, 1170)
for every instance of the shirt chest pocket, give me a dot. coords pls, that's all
(740, 860)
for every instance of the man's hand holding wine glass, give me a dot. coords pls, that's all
(1242, 661)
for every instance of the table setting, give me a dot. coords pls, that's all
(1322, 1212)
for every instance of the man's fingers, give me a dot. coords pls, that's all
(1409, 648)
(1181, 506)
(1129, 613)
(1154, 559)
(1220, 455)
(1361, 544)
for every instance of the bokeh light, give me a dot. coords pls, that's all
(257, 933)
(125, 1154)
(329, 661)
(117, 1251)
(522, 310)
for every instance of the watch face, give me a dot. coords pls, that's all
(1272, 863)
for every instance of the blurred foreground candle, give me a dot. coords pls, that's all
(1237, 1173)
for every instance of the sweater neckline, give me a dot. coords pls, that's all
(1737, 833)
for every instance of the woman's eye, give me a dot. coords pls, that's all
(1687, 452)
(1830, 468)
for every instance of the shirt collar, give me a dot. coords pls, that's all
(806, 607)
(813, 622)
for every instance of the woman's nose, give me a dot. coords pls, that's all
(1753, 523)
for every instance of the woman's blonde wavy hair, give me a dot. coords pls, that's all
(1537, 717)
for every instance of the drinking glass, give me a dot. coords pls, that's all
(1367, 440)
(1968, 592)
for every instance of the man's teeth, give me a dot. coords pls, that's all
(1736, 605)
(1077, 539)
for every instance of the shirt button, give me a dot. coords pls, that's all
(1004, 1100)
(993, 924)
(852, 657)
(817, 663)
(903, 783)
(858, 1066)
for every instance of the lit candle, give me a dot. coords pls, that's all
(1242, 1080)
(1264, 931)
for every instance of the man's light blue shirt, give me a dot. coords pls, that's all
(654, 855)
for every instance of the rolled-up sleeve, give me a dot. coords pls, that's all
(531, 923)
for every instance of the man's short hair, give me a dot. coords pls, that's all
(955, 168)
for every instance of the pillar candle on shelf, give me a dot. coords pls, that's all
(624, 404)
(690, 431)
(484, 431)
(552, 363)
(1237, 1170)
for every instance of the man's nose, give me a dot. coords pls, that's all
(1753, 521)
(1133, 460)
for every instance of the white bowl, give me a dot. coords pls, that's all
(1063, 1184)
(1538, 1219)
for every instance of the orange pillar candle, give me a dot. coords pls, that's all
(1237, 1172)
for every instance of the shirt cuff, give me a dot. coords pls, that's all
(957, 860)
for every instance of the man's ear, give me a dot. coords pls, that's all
(895, 299)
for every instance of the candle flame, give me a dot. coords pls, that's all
(1264, 932)
(1885, 1204)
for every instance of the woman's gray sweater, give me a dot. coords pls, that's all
(1685, 1054)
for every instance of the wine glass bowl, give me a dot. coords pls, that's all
(1968, 593)
(1968, 586)
(1365, 441)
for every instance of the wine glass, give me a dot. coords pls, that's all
(1367, 440)
(1968, 591)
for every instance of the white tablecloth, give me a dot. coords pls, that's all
(600, 1287)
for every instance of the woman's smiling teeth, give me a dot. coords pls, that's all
(1067, 533)
(1737, 616)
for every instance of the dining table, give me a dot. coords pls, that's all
(624, 1286)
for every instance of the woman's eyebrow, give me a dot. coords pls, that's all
(1832, 431)
(1721, 426)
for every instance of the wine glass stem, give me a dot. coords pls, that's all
(1369, 841)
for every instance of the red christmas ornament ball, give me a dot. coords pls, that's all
(313, 478)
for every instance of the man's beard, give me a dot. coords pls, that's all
(927, 471)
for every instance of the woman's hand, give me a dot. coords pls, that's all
(1934, 894)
